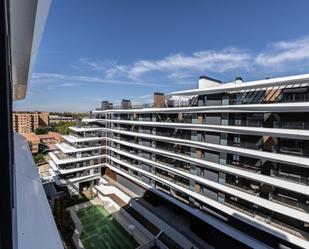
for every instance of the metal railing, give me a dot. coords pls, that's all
(291, 177)
(141, 106)
(290, 203)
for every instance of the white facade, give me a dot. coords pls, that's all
(79, 159)
(239, 152)
(234, 154)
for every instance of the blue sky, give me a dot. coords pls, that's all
(114, 49)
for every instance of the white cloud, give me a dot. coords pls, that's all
(185, 65)
(275, 58)
(68, 79)
(115, 71)
(146, 96)
(95, 65)
(180, 68)
(70, 84)
(284, 52)
(140, 99)
(89, 63)
(180, 75)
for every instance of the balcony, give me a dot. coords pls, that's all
(173, 163)
(255, 189)
(248, 122)
(77, 177)
(164, 189)
(181, 119)
(172, 179)
(289, 202)
(61, 155)
(252, 212)
(276, 95)
(243, 165)
(62, 158)
(181, 198)
(291, 176)
(291, 124)
(80, 139)
(70, 148)
(173, 149)
(296, 151)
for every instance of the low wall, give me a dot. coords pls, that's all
(170, 231)
(179, 238)
(77, 230)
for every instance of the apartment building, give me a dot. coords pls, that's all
(56, 119)
(232, 155)
(78, 160)
(43, 141)
(26, 122)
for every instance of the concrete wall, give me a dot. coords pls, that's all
(129, 185)
(213, 119)
(212, 156)
(177, 237)
(214, 99)
(213, 138)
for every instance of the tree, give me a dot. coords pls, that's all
(39, 158)
(63, 127)
(41, 130)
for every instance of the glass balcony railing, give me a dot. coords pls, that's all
(266, 218)
(290, 202)
(294, 177)
(291, 124)
(247, 189)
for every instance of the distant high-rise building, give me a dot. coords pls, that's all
(26, 122)
(159, 100)
(43, 118)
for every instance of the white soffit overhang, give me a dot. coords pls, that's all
(27, 22)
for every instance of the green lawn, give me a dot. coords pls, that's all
(101, 231)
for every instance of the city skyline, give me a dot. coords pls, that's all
(88, 52)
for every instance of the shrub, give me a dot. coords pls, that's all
(39, 158)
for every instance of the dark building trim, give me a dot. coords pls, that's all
(6, 134)
(209, 78)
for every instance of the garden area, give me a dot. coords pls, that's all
(102, 231)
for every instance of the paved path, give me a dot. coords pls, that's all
(78, 228)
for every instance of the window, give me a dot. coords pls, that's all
(236, 140)
(235, 159)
